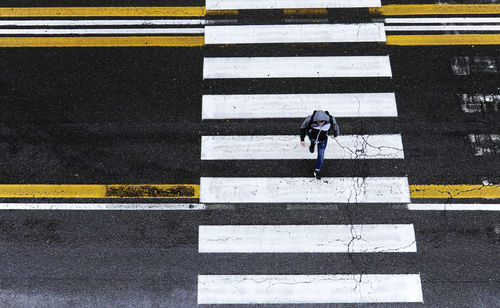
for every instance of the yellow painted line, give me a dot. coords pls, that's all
(454, 191)
(305, 11)
(222, 12)
(99, 191)
(104, 41)
(443, 39)
(436, 9)
(145, 11)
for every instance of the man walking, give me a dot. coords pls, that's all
(316, 127)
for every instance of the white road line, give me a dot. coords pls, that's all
(311, 289)
(450, 20)
(290, 67)
(454, 207)
(298, 105)
(485, 144)
(97, 22)
(304, 190)
(443, 28)
(287, 4)
(288, 147)
(103, 206)
(100, 31)
(320, 33)
(307, 239)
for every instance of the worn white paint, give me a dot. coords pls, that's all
(100, 22)
(307, 239)
(309, 33)
(100, 31)
(485, 144)
(309, 289)
(454, 207)
(288, 147)
(290, 67)
(287, 4)
(298, 105)
(449, 20)
(443, 28)
(304, 190)
(103, 206)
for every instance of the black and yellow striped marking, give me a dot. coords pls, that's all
(145, 11)
(103, 41)
(436, 9)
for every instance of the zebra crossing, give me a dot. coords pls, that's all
(246, 288)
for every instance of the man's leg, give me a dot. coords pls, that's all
(311, 147)
(321, 156)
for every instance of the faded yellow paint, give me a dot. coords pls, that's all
(145, 11)
(99, 191)
(103, 41)
(222, 12)
(443, 39)
(454, 191)
(305, 11)
(436, 9)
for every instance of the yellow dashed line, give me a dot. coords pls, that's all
(223, 12)
(444, 39)
(100, 191)
(147, 11)
(103, 41)
(454, 191)
(436, 9)
(305, 11)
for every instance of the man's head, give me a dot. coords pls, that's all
(320, 123)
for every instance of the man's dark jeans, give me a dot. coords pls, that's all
(321, 152)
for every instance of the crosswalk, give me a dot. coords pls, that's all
(246, 288)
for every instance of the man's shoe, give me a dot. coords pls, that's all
(311, 147)
(316, 174)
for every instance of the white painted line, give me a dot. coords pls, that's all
(103, 206)
(307, 239)
(298, 105)
(450, 20)
(100, 31)
(485, 144)
(287, 4)
(454, 207)
(97, 22)
(443, 28)
(304, 190)
(309, 289)
(288, 147)
(290, 67)
(319, 33)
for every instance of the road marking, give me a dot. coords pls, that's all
(485, 144)
(287, 4)
(304, 190)
(436, 9)
(312, 289)
(103, 41)
(444, 39)
(455, 191)
(448, 20)
(146, 11)
(99, 191)
(454, 207)
(480, 103)
(288, 147)
(443, 28)
(307, 239)
(297, 105)
(101, 31)
(103, 206)
(289, 67)
(98, 22)
(319, 33)
(317, 11)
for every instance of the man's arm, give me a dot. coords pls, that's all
(303, 128)
(334, 126)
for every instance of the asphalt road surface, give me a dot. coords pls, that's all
(133, 115)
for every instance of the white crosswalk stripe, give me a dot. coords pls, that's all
(287, 147)
(287, 4)
(304, 190)
(297, 105)
(290, 67)
(315, 33)
(311, 289)
(307, 239)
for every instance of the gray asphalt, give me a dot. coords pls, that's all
(133, 115)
